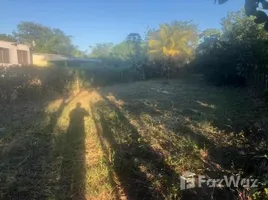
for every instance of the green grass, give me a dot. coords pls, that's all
(128, 141)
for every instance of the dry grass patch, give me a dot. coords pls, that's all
(128, 141)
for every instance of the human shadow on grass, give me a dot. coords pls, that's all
(142, 172)
(73, 163)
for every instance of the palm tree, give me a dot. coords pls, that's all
(172, 42)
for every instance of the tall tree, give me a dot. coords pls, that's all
(175, 40)
(44, 39)
(134, 41)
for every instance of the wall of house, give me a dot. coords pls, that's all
(13, 56)
(43, 60)
(40, 60)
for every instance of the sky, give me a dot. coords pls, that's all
(97, 21)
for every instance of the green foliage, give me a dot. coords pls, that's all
(8, 38)
(172, 46)
(261, 195)
(252, 9)
(160, 54)
(121, 60)
(211, 32)
(208, 38)
(34, 83)
(29, 83)
(113, 56)
(101, 50)
(219, 64)
(134, 41)
(237, 54)
(44, 39)
(121, 51)
(176, 40)
(238, 27)
(103, 76)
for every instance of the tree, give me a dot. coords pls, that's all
(211, 33)
(102, 50)
(45, 39)
(242, 30)
(135, 46)
(134, 41)
(173, 42)
(122, 51)
(238, 27)
(8, 38)
(208, 37)
(78, 53)
(238, 54)
(252, 9)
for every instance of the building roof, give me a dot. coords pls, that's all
(14, 44)
(57, 58)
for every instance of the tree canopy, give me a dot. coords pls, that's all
(237, 53)
(43, 39)
(252, 8)
(102, 49)
(177, 40)
(7, 37)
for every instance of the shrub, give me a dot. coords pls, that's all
(29, 82)
(220, 64)
(32, 83)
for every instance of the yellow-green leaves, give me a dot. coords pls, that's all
(172, 40)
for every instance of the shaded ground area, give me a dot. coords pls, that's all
(130, 141)
(52, 152)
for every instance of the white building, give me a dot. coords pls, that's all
(12, 53)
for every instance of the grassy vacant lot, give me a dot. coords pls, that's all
(128, 141)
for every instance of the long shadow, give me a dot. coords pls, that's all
(214, 110)
(216, 154)
(105, 151)
(30, 161)
(134, 159)
(73, 164)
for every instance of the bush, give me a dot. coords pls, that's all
(220, 64)
(104, 76)
(30, 83)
